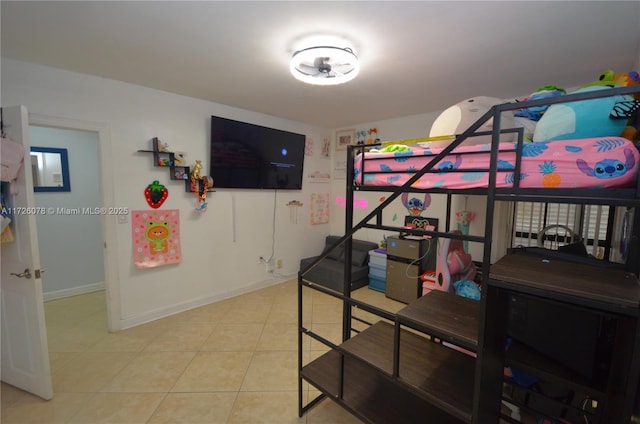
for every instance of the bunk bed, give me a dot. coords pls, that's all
(399, 370)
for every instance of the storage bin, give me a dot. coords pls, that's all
(378, 284)
(378, 257)
(378, 271)
(403, 281)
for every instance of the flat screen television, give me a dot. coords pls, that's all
(251, 156)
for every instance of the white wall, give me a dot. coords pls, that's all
(217, 262)
(71, 245)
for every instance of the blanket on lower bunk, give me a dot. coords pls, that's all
(581, 163)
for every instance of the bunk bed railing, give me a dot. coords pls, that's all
(471, 132)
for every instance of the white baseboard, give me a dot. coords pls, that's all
(74, 291)
(182, 307)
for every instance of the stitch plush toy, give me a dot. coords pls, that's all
(414, 205)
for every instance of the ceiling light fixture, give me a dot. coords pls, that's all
(324, 65)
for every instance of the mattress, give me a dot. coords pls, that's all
(581, 163)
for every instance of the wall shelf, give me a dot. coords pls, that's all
(165, 159)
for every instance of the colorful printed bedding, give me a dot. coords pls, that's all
(592, 162)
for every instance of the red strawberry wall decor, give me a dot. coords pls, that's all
(156, 194)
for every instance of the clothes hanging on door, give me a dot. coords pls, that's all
(11, 161)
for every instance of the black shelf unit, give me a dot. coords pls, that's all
(164, 159)
(399, 362)
(610, 296)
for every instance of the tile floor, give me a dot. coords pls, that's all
(233, 361)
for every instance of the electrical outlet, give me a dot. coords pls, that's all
(270, 265)
(279, 263)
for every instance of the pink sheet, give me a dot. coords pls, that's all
(592, 162)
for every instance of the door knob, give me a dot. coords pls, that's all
(25, 274)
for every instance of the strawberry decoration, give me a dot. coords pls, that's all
(156, 194)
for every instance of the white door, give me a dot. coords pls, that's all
(25, 353)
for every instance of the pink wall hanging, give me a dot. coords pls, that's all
(156, 237)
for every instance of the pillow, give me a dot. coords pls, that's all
(582, 119)
(359, 257)
(337, 254)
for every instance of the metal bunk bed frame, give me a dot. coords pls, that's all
(629, 197)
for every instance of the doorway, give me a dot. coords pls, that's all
(93, 166)
(70, 233)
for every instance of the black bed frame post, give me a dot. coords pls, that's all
(300, 340)
(447, 223)
(348, 230)
(633, 257)
(487, 391)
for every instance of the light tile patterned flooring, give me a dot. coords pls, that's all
(233, 361)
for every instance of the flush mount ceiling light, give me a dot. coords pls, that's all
(324, 65)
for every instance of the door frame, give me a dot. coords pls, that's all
(112, 284)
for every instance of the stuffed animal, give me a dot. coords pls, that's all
(607, 79)
(546, 92)
(393, 148)
(601, 117)
(461, 116)
(467, 288)
(626, 79)
(415, 206)
(461, 263)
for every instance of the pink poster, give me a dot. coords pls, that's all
(156, 237)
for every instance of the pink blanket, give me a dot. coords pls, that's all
(592, 162)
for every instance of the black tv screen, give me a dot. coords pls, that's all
(245, 155)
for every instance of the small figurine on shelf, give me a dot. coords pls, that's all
(360, 137)
(464, 218)
(373, 136)
(179, 158)
(195, 172)
(200, 185)
(164, 162)
(180, 173)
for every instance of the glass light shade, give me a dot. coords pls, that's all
(342, 65)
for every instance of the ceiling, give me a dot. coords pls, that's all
(416, 57)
